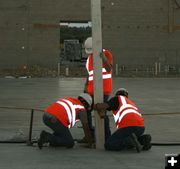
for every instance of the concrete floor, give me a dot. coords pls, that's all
(151, 96)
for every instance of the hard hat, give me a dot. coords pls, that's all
(87, 98)
(88, 45)
(121, 91)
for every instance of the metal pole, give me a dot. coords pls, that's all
(30, 127)
(97, 64)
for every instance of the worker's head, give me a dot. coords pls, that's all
(86, 100)
(88, 45)
(122, 92)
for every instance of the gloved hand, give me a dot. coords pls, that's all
(99, 107)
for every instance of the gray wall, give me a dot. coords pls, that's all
(137, 32)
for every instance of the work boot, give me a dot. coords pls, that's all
(84, 140)
(145, 140)
(135, 142)
(43, 139)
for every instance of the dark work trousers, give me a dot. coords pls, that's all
(106, 121)
(120, 138)
(61, 135)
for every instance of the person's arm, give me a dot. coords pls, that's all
(112, 104)
(85, 85)
(83, 118)
(101, 108)
(106, 61)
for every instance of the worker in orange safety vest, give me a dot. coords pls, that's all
(107, 62)
(62, 115)
(129, 122)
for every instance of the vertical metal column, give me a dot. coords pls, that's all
(97, 65)
(30, 128)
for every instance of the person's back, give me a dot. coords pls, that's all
(62, 115)
(107, 62)
(129, 122)
(66, 110)
(127, 113)
(106, 74)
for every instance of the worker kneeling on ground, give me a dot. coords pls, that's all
(62, 115)
(129, 122)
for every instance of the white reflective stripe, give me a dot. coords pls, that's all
(124, 106)
(87, 64)
(104, 70)
(121, 109)
(127, 112)
(91, 72)
(78, 107)
(123, 100)
(106, 76)
(90, 78)
(116, 117)
(67, 110)
(72, 110)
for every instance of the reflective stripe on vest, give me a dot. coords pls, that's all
(87, 65)
(91, 72)
(71, 110)
(104, 76)
(127, 112)
(122, 112)
(107, 76)
(68, 111)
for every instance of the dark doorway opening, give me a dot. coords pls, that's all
(72, 37)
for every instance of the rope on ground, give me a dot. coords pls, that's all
(37, 109)
(21, 108)
(30, 141)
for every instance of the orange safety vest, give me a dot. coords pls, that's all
(66, 110)
(127, 114)
(106, 76)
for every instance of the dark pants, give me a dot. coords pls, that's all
(106, 121)
(120, 138)
(61, 135)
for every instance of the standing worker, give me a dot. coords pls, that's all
(62, 115)
(107, 62)
(129, 122)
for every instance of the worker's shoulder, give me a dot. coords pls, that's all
(107, 53)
